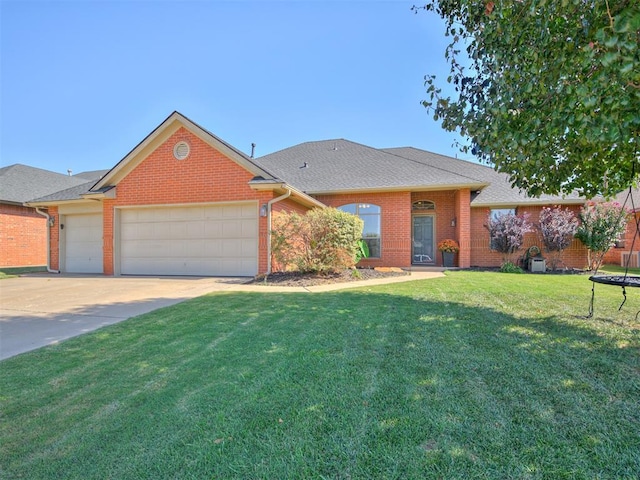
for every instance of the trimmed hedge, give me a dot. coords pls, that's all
(323, 240)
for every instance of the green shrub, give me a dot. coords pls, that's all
(510, 267)
(323, 240)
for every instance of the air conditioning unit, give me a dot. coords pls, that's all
(634, 261)
(537, 265)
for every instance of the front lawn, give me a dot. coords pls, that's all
(475, 375)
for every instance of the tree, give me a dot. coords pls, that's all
(506, 233)
(601, 225)
(548, 91)
(557, 228)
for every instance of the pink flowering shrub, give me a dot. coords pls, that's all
(506, 232)
(601, 225)
(557, 229)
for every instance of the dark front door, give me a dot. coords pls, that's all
(422, 250)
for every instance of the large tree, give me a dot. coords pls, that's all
(547, 91)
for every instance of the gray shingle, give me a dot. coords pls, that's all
(72, 193)
(94, 175)
(498, 191)
(21, 183)
(341, 166)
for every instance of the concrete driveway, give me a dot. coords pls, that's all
(43, 309)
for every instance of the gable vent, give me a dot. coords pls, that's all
(181, 150)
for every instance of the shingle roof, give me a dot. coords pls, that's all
(72, 193)
(498, 190)
(341, 166)
(94, 175)
(20, 183)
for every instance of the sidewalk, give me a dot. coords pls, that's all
(337, 286)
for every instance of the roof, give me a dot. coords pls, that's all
(171, 124)
(498, 190)
(94, 175)
(20, 183)
(333, 166)
(72, 193)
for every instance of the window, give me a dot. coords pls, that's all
(370, 215)
(423, 205)
(496, 212)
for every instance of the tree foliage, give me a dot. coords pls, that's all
(548, 91)
(557, 229)
(601, 225)
(506, 233)
(323, 240)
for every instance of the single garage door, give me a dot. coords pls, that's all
(83, 243)
(207, 240)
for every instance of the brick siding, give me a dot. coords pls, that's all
(23, 237)
(206, 175)
(482, 256)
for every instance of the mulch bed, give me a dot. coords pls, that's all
(297, 279)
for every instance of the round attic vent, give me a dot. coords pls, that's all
(181, 150)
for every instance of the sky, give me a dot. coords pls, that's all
(83, 82)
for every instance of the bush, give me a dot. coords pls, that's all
(509, 267)
(506, 233)
(323, 240)
(601, 224)
(557, 228)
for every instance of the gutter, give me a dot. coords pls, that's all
(269, 203)
(46, 215)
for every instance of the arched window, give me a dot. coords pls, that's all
(370, 215)
(423, 205)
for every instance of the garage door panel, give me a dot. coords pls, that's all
(83, 243)
(199, 240)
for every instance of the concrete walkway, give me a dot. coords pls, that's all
(44, 309)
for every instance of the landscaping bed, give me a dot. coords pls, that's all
(297, 279)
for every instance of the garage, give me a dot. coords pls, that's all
(202, 240)
(83, 243)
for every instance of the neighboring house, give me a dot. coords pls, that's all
(629, 244)
(184, 202)
(23, 231)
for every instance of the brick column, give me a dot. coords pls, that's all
(107, 236)
(463, 226)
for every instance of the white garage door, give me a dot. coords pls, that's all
(208, 240)
(83, 243)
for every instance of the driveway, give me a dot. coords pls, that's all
(43, 309)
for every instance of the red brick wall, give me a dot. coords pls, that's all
(206, 175)
(482, 256)
(395, 226)
(614, 256)
(23, 237)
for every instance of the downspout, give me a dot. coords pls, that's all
(269, 203)
(46, 215)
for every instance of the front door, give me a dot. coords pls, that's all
(422, 249)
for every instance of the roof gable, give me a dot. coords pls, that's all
(160, 134)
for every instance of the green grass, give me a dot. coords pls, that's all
(6, 272)
(617, 269)
(472, 376)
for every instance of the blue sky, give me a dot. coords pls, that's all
(83, 82)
